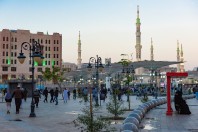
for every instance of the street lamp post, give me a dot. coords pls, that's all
(98, 66)
(35, 55)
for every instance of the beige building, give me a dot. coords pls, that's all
(67, 66)
(10, 47)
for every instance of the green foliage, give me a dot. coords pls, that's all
(124, 62)
(143, 100)
(114, 106)
(91, 122)
(56, 75)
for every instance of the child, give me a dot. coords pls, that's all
(8, 99)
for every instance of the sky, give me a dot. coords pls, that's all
(108, 26)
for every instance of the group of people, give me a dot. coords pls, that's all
(19, 94)
(53, 94)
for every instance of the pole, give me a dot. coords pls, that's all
(32, 114)
(91, 110)
(97, 78)
(168, 94)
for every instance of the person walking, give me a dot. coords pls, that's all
(36, 97)
(74, 93)
(45, 93)
(8, 99)
(68, 94)
(18, 95)
(56, 96)
(85, 94)
(52, 95)
(25, 92)
(65, 95)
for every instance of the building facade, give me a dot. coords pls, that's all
(10, 43)
(67, 66)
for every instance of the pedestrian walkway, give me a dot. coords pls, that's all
(156, 119)
(53, 118)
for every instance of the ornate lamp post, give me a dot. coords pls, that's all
(35, 55)
(99, 67)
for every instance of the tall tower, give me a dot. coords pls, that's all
(138, 45)
(79, 60)
(152, 55)
(178, 57)
(181, 59)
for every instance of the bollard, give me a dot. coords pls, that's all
(130, 126)
(131, 120)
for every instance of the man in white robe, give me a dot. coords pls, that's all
(65, 95)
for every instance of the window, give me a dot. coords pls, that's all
(38, 40)
(46, 41)
(11, 54)
(57, 63)
(39, 69)
(11, 46)
(3, 61)
(13, 76)
(54, 41)
(57, 49)
(6, 46)
(49, 41)
(54, 48)
(45, 62)
(57, 42)
(5, 68)
(30, 69)
(15, 46)
(3, 53)
(48, 55)
(54, 55)
(3, 46)
(41, 41)
(12, 40)
(57, 55)
(3, 38)
(49, 48)
(15, 39)
(6, 53)
(49, 63)
(7, 39)
(30, 62)
(11, 61)
(46, 48)
(15, 54)
(13, 68)
(30, 40)
(45, 55)
(15, 62)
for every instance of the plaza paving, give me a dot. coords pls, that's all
(51, 117)
(60, 118)
(157, 121)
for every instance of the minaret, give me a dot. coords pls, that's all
(181, 59)
(79, 60)
(178, 57)
(138, 45)
(152, 55)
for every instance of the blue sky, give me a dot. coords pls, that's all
(108, 26)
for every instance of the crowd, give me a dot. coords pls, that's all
(20, 94)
